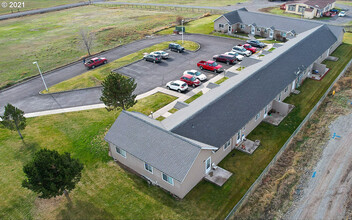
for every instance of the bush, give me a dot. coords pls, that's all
(179, 20)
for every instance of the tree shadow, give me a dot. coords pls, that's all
(83, 210)
(28, 149)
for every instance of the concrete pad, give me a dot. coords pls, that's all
(218, 176)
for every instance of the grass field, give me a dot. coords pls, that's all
(52, 38)
(196, 96)
(95, 77)
(107, 191)
(278, 11)
(36, 4)
(190, 2)
(344, 2)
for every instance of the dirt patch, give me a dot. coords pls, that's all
(267, 10)
(286, 183)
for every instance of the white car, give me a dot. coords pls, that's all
(196, 74)
(342, 14)
(161, 53)
(241, 50)
(238, 56)
(177, 85)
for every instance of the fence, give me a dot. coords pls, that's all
(165, 8)
(277, 156)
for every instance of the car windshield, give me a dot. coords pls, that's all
(215, 64)
(184, 84)
(197, 73)
(242, 49)
(249, 46)
(193, 79)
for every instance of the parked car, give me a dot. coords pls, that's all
(196, 74)
(190, 80)
(238, 56)
(283, 7)
(161, 53)
(176, 47)
(210, 65)
(342, 14)
(177, 85)
(96, 61)
(152, 58)
(225, 58)
(327, 14)
(256, 43)
(249, 47)
(334, 10)
(241, 50)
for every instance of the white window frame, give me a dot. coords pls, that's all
(120, 152)
(227, 144)
(290, 7)
(286, 89)
(207, 170)
(168, 178)
(257, 116)
(238, 138)
(147, 165)
(265, 111)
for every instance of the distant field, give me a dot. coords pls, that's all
(52, 38)
(189, 2)
(36, 4)
(345, 2)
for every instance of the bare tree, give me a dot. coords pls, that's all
(179, 20)
(87, 39)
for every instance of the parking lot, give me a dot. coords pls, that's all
(149, 75)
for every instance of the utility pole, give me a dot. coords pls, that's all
(41, 75)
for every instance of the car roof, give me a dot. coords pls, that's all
(178, 81)
(210, 61)
(188, 76)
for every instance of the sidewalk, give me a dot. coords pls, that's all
(161, 112)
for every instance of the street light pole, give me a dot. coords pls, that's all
(182, 29)
(41, 75)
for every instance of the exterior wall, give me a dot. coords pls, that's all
(309, 14)
(298, 5)
(156, 177)
(221, 20)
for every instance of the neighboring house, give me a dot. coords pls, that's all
(260, 24)
(186, 147)
(310, 8)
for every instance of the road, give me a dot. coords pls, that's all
(26, 95)
(326, 192)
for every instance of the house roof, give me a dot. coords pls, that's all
(226, 109)
(280, 23)
(320, 4)
(146, 139)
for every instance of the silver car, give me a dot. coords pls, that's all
(161, 53)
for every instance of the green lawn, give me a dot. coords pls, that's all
(52, 39)
(81, 134)
(173, 110)
(95, 77)
(36, 4)
(160, 118)
(190, 2)
(344, 2)
(196, 96)
(223, 79)
(271, 49)
(278, 11)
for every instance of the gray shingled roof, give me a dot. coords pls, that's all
(217, 122)
(266, 20)
(146, 139)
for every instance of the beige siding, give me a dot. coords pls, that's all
(222, 20)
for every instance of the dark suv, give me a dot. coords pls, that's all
(228, 59)
(176, 47)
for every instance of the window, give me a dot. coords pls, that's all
(265, 110)
(265, 30)
(283, 34)
(244, 128)
(292, 7)
(242, 26)
(257, 116)
(238, 135)
(148, 167)
(121, 152)
(227, 144)
(301, 8)
(258, 29)
(221, 25)
(286, 89)
(168, 179)
(279, 97)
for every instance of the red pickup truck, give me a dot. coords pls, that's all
(249, 47)
(96, 61)
(210, 65)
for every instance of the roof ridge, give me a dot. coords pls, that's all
(161, 129)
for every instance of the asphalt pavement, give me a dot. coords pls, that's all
(26, 95)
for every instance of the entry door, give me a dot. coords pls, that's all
(294, 85)
(230, 29)
(208, 165)
(271, 33)
(253, 30)
(265, 111)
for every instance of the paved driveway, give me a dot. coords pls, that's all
(149, 75)
(26, 95)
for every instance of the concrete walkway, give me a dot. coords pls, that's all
(161, 112)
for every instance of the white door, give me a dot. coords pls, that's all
(207, 165)
(253, 30)
(230, 29)
(265, 111)
(294, 85)
(271, 33)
